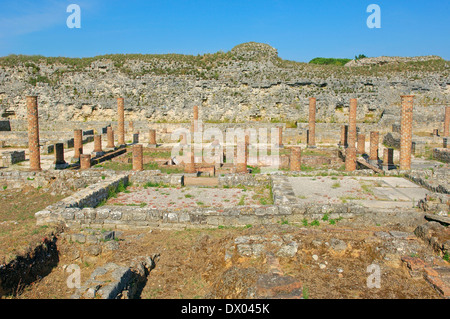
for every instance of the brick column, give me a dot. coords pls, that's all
(130, 127)
(406, 132)
(195, 126)
(77, 143)
(85, 161)
(350, 159)
(183, 139)
(98, 143)
(195, 112)
(241, 158)
(312, 122)
(447, 122)
(361, 144)
(138, 159)
(388, 157)
(351, 141)
(110, 137)
(296, 159)
(152, 138)
(121, 121)
(374, 141)
(189, 167)
(280, 136)
(33, 133)
(344, 131)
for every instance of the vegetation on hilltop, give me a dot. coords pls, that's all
(328, 61)
(235, 65)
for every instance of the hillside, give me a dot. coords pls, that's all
(250, 82)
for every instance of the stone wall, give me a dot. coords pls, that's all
(155, 176)
(79, 210)
(11, 157)
(123, 217)
(442, 154)
(54, 181)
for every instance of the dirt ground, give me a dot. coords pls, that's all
(18, 230)
(193, 264)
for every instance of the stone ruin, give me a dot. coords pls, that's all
(301, 154)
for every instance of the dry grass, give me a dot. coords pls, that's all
(18, 230)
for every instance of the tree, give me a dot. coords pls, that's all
(360, 56)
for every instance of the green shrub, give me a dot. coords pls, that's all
(329, 61)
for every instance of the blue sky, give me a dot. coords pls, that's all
(300, 30)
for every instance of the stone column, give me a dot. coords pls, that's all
(388, 157)
(406, 132)
(344, 131)
(296, 159)
(33, 133)
(60, 163)
(445, 143)
(374, 141)
(350, 159)
(312, 122)
(138, 158)
(136, 138)
(447, 122)
(352, 124)
(152, 138)
(77, 143)
(121, 121)
(85, 161)
(110, 138)
(361, 144)
(189, 167)
(241, 158)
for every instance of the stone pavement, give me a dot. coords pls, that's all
(376, 192)
(184, 198)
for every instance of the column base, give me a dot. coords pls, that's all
(61, 165)
(311, 146)
(388, 167)
(376, 163)
(97, 154)
(152, 145)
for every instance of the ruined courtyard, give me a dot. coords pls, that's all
(212, 209)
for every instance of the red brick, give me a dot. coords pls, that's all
(351, 141)
(296, 159)
(406, 132)
(312, 122)
(138, 158)
(121, 121)
(33, 133)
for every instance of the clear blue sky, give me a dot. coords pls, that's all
(299, 29)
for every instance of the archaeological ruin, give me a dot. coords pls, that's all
(223, 185)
